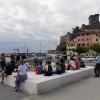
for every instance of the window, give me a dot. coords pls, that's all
(96, 35)
(83, 44)
(87, 44)
(87, 39)
(82, 39)
(83, 34)
(78, 40)
(78, 44)
(71, 45)
(87, 34)
(96, 39)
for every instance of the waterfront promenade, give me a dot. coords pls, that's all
(86, 89)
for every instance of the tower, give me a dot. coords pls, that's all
(93, 19)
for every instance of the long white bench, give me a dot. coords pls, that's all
(38, 84)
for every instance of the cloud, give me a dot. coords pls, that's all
(29, 22)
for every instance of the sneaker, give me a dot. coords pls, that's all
(16, 90)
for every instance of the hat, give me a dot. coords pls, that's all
(75, 58)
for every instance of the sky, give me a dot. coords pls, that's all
(38, 24)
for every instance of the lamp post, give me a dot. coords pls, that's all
(56, 47)
(40, 46)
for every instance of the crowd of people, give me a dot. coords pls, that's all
(16, 62)
(60, 66)
(48, 69)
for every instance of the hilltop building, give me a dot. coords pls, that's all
(88, 35)
(94, 24)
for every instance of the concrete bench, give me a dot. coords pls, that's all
(38, 84)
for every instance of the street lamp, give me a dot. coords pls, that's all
(40, 47)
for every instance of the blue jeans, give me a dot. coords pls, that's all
(19, 80)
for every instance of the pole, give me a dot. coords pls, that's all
(24, 48)
(56, 47)
(40, 47)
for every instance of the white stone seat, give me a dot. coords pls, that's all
(37, 84)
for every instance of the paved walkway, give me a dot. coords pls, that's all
(7, 93)
(86, 89)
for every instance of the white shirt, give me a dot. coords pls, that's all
(72, 63)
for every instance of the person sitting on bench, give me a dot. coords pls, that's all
(58, 68)
(21, 75)
(48, 69)
(71, 65)
(63, 66)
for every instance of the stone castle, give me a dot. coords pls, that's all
(88, 35)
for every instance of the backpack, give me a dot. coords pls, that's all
(8, 69)
(37, 71)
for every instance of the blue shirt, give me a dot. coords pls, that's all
(98, 59)
(23, 69)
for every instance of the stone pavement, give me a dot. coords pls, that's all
(7, 93)
(86, 89)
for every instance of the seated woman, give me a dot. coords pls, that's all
(21, 75)
(82, 64)
(62, 64)
(48, 69)
(40, 66)
(7, 71)
(77, 62)
(58, 68)
(72, 65)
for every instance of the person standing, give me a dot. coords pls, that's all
(97, 66)
(12, 57)
(18, 58)
(7, 71)
(3, 61)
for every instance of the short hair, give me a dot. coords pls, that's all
(57, 63)
(49, 62)
(21, 61)
(40, 62)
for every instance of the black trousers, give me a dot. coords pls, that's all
(3, 64)
(97, 70)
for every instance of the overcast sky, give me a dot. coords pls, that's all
(27, 23)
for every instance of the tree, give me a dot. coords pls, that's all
(77, 29)
(96, 48)
(80, 50)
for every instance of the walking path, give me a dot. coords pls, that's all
(7, 93)
(86, 89)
